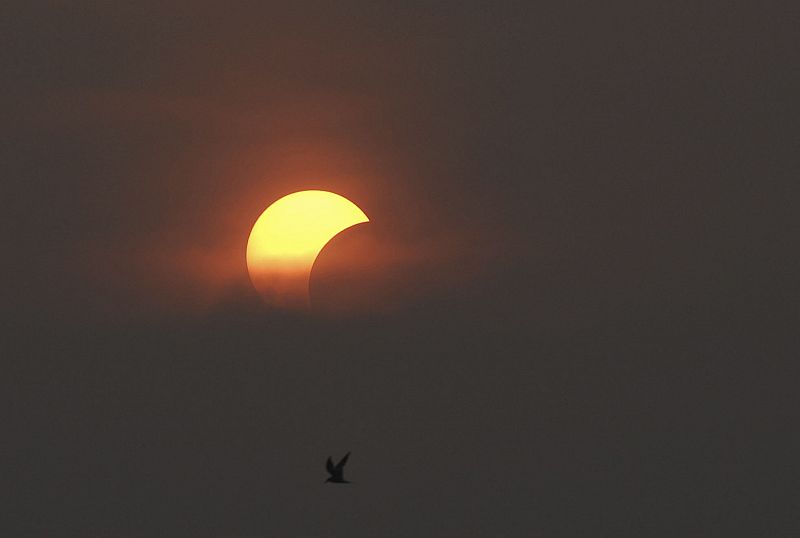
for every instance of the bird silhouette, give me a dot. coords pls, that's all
(336, 471)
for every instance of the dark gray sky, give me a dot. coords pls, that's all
(586, 216)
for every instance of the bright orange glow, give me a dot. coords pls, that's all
(287, 238)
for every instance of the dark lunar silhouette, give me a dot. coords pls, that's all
(337, 471)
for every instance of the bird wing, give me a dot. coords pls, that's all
(340, 465)
(329, 466)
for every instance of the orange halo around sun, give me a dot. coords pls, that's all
(288, 236)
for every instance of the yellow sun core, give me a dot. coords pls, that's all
(288, 236)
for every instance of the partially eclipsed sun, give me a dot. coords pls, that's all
(287, 238)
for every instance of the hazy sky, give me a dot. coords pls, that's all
(587, 229)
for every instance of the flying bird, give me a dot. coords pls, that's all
(337, 471)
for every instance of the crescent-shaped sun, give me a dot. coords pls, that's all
(288, 236)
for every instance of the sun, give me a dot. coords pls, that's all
(288, 236)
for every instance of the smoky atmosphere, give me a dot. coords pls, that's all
(399, 269)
